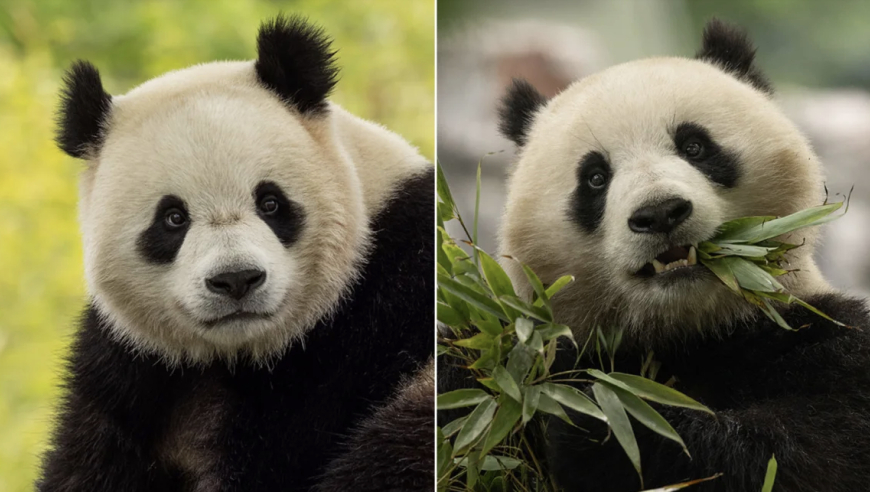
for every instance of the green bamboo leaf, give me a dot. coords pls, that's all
(495, 463)
(454, 252)
(550, 355)
(506, 382)
(815, 310)
(445, 213)
(443, 260)
(495, 275)
(472, 297)
(531, 396)
(442, 454)
(536, 343)
(472, 469)
(722, 269)
(650, 390)
(680, 486)
(523, 307)
(454, 426)
(537, 286)
(550, 331)
(524, 327)
(443, 189)
(549, 405)
(462, 398)
(573, 399)
(487, 323)
(783, 225)
(746, 250)
(646, 415)
(490, 383)
(751, 277)
(737, 227)
(481, 341)
(509, 413)
(619, 423)
(449, 316)
(558, 285)
(477, 422)
(773, 314)
(770, 476)
(520, 360)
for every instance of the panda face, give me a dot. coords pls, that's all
(216, 221)
(626, 171)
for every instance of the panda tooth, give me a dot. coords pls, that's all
(693, 257)
(658, 266)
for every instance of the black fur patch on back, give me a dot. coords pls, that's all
(730, 48)
(719, 165)
(294, 60)
(288, 221)
(517, 110)
(392, 449)
(84, 110)
(799, 395)
(588, 201)
(160, 243)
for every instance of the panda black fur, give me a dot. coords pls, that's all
(607, 147)
(264, 396)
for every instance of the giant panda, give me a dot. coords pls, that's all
(616, 179)
(259, 267)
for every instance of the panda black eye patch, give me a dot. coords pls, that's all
(695, 146)
(590, 197)
(285, 217)
(160, 242)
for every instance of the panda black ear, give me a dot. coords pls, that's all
(84, 111)
(294, 60)
(730, 48)
(517, 110)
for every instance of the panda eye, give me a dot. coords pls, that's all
(693, 149)
(597, 180)
(269, 205)
(175, 218)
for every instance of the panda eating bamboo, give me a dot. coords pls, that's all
(617, 179)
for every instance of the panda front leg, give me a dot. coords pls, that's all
(92, 451)
(813, 439)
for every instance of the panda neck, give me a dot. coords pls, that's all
(382, 159)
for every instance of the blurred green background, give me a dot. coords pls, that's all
(386, 54)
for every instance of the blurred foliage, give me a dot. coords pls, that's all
(802, 42)
(386, 53)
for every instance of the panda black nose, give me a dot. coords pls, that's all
(662, 217)
(236, 284)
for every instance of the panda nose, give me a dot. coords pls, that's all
(236, 284)
(662, 217)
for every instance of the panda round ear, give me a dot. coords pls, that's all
(517, 110)
(84, 111)
(729, 48)
(295, 61)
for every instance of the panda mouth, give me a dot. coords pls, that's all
(675, 258)
(236, 316)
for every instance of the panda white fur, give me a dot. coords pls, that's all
(259, 263)
(617, 177)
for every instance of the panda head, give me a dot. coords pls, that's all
(620, 175)
(220, 218)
